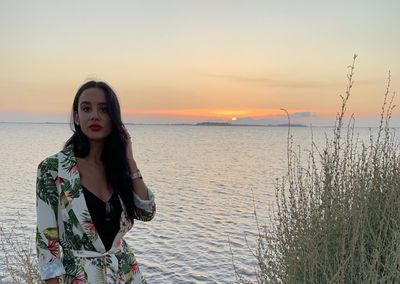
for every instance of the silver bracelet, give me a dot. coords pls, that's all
(136, 175)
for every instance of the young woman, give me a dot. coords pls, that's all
(88, 196)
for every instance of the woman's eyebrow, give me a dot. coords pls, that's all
(89, 103)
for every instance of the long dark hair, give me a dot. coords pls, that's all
(114, 152)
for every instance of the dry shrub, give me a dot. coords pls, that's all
(17, 254)
(337, 215)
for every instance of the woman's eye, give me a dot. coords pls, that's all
(104, 109)
(86, 109)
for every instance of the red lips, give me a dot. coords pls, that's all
(95, 127)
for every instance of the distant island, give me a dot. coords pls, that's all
(232, 124)
(206, 123)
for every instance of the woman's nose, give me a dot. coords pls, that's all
(94, 115)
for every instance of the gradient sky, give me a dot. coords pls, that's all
(192, 61)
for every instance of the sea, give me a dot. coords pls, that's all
(210, 182)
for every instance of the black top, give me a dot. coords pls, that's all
(105, 215)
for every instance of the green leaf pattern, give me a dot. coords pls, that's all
(71, 227)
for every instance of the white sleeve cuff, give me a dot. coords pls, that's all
(144, 204)
(52, 269)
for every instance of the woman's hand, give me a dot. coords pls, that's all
(52, 281)
(138, 185)
(129, 149)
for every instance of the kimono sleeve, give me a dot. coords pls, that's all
(47, 240)
(145, 209)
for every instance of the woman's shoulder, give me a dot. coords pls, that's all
(51, 162)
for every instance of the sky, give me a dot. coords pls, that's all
(180, 61)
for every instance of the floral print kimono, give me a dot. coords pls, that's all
(67, 243)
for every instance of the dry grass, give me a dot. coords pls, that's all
(337, 216)
(17, 254)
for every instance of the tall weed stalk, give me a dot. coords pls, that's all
(17, 257)
(337, 215)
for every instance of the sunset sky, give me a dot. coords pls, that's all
(192, 61)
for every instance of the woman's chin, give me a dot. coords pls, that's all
(97, 138)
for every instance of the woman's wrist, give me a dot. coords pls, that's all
(136, 174)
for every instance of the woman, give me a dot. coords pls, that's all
(88, 196)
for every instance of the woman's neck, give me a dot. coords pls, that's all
(96, 149)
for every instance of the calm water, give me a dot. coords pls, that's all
(203, 178)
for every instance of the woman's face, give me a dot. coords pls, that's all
(92, 115)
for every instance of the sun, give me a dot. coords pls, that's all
(234, 118)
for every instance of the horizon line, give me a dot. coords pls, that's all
(197, 124)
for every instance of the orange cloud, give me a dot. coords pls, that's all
(206, 113)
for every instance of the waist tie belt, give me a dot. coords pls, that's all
(93, 254)
(109, 267)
